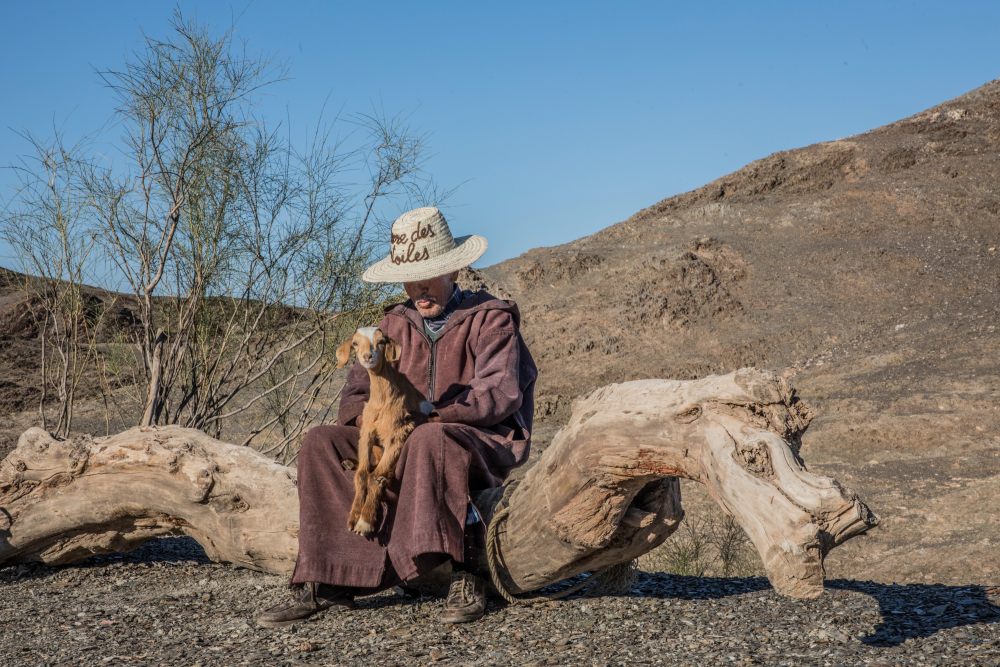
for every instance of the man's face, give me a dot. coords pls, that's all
(431, 296)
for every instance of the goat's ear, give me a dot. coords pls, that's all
(392, 350)
(344, 352)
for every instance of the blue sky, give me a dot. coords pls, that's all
(557, 118)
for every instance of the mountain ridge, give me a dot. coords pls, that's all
(866, 270)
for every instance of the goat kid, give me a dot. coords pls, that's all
(392, 412)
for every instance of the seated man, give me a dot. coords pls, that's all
(463, 351)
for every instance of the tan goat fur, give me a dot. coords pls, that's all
(393, 410)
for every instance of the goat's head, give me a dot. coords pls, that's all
(372, 347)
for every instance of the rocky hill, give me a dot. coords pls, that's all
(867, 270)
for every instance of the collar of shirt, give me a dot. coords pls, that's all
(433, 325)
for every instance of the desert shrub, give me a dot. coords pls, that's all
(47, 228)
(237, 252)
(713, 546)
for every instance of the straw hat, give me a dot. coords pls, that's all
(422, 247)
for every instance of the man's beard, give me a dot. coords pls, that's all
(433, 310)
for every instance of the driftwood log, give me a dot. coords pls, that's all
(604, 492)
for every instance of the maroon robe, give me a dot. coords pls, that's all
(480, 377)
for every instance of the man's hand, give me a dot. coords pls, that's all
(427, 413)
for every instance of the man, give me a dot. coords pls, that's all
(464, 352)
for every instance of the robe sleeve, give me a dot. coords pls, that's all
(353, 396)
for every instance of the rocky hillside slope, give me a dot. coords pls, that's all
(866, 269)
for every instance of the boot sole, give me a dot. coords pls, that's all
(282, 624)
(463, 618)
(265, 623)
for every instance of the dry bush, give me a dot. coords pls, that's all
(237, 253)
(714, 546)
(46, 226)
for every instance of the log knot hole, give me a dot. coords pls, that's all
(688, 414)
(59, 479)
(79, 457)
(755, 457)
(240, 505)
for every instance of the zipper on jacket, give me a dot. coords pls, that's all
(431, 344)
(430, 366)
(430, 371)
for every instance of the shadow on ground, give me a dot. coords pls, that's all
(908, 611)
(684, 587)
(919, 610)
(160, 550)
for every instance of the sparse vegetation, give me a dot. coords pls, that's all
(238, 252)
(713, 546)
(47, 228)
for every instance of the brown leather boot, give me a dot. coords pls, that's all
(466, 599)
(311, 598)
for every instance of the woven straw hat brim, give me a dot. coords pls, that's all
(467, 250)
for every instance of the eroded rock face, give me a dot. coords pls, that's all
(867, 268)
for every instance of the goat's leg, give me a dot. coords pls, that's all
(367, 514)
(362, 480)
(362, 475)
(386, 467)
(381, 476)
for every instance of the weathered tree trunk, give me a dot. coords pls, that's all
(64, 500)
(604, 492)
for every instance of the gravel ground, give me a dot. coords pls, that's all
(165, 604)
